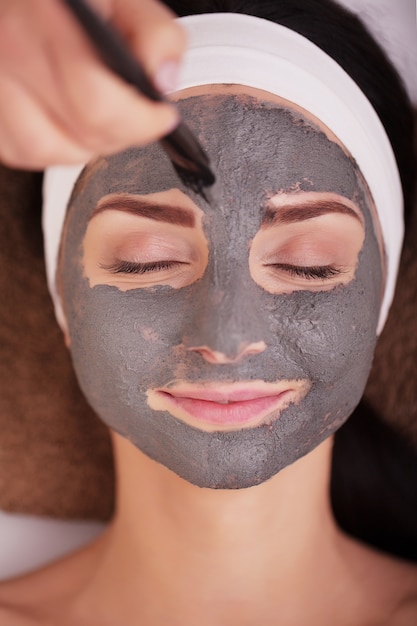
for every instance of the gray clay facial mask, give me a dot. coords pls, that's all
(124, 343)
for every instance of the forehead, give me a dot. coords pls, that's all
(258, 145)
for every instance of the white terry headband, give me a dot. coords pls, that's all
(241, 49)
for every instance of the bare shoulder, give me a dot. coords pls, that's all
(32, 599)
(406, 614)
(384, 583)
(13, 617)
(26, 600)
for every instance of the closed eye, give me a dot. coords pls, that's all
(310, 272)
(130, 267)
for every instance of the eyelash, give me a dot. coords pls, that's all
(312, 272)
(129, 267)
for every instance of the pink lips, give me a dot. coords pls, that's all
(232, 412)
(227, 406)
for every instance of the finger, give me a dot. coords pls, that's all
(28, 138)
(101, 112)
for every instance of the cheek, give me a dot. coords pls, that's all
(135, 324)
(122, 340)
(322, 333)
(119, 348)
(330, 335)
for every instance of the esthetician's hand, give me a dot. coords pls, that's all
(58, 103)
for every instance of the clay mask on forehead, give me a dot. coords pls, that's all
(125, 343)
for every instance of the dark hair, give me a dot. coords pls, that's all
(373, 488)
(374, 472)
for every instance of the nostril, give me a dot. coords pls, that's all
(220, 358)
(212, 356)
(254, 348)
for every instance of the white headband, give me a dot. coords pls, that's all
(241, 49)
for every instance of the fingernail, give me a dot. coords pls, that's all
(167, 76)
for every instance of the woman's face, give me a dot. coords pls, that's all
(225, 336)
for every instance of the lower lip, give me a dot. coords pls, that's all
(233, 414)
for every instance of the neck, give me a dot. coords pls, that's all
(174, 540)
(295, 502)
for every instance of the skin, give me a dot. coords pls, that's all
(320, 334)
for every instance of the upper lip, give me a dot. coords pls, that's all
(228, 393)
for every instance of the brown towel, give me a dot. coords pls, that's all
(55, 455)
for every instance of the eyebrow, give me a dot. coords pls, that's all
(143, 208)
(289, 213)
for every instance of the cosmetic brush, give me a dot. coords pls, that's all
(181, 146)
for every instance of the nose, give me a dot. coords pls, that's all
(220, 358)
(227, 325)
